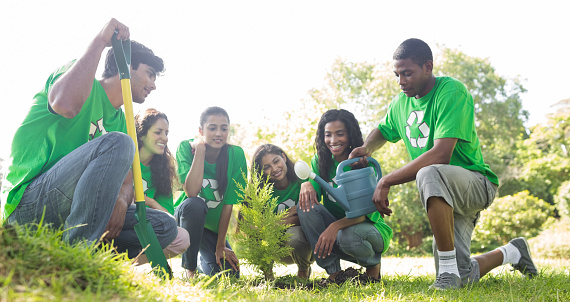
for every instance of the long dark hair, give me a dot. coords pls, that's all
(265, 149)
(162, 166)
(326, 161)
(224, 158)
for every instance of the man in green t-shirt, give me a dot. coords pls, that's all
(434, 116)
(71, 157)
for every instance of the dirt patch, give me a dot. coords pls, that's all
(294, 282)
(348, 275)
(354, 275)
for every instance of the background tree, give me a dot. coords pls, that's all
(542, 159)
(498, 108)
(295, 133)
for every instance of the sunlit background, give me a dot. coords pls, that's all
(259, 58)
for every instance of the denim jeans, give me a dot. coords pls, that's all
(81, 188)
(191, 215)
(163, 224)
(360, 243)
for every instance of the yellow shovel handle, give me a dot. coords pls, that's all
(137, 174)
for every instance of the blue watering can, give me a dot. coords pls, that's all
(355, 187)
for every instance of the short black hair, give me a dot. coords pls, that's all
(139, 54)
(415, 49)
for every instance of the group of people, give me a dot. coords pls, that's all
(71, 168)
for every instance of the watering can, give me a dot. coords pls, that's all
(355, 187)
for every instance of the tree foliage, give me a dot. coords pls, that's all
(562, 199)
(262, 236)
(509, 217)
(295, 133)
(543, 162)
(498, 107)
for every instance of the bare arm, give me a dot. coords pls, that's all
(153, 204)
(124, 200)
(70, 92)
(439, 154)
(193, 183)
(373, 142)
(327, 239)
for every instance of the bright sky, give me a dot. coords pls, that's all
(256, 58)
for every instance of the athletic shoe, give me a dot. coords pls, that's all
(525, 264)
(446, 281)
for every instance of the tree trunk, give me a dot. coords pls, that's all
(268, 274)
(414, 240)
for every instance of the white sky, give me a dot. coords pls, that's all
(256, 58)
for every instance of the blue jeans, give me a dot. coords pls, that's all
(191, 215)
(163, 224)
(360, 243)
(82, 188)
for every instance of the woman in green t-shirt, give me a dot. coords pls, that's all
(334, 237)
(209, 169)
(271, 162)
(158, 172)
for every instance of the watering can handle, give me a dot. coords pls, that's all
(344, 163)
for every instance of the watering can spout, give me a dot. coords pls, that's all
(303, 172)
(355, 187)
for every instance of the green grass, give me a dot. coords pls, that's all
(551, 286)
(35, 265)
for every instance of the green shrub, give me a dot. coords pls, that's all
(508, 217)
(562, 199)
(261, 235)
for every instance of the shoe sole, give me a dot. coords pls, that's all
(525, 271)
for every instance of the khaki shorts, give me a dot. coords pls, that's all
(468, 193)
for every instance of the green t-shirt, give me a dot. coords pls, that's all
(44, 137)
(150, 191)
(447, 111)
(338, 212)
(289, 197)
(236, 165)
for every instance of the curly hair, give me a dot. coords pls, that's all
(162, 167)
(139, 54)
(415, 49)
(223, 160)
(261, 151)
(326, 161)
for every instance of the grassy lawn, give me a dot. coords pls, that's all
(36, 266)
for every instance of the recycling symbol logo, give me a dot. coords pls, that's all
(418, 139)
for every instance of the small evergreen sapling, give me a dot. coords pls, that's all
(262, 234)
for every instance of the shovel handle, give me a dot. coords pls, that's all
(122, 52)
